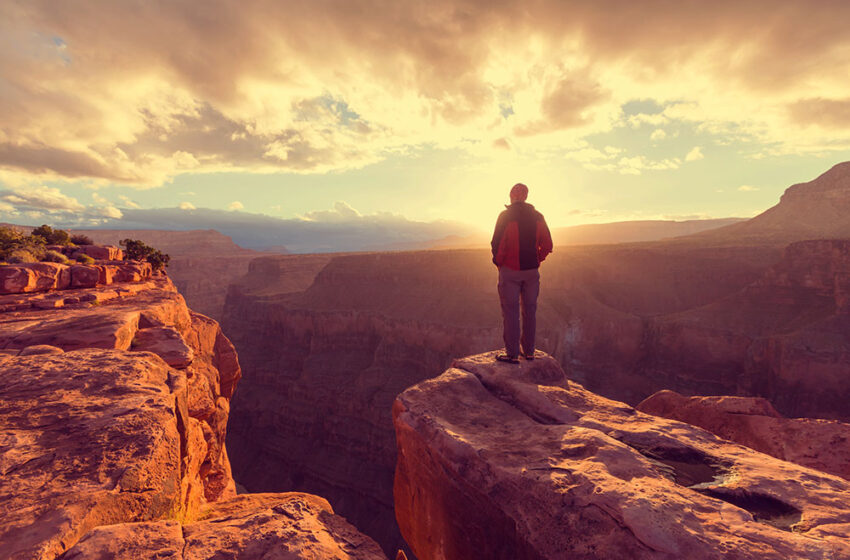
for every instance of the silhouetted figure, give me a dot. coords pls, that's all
(520, 243)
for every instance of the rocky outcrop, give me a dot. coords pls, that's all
(822, 445)
(516, 461)
(248, 526)
(47, 276)
(114, 412)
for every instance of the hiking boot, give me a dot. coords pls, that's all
(507, 359)
(529, 357)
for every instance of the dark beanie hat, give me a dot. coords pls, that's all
(519, 193)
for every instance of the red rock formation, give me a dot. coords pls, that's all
(818, 444)
(502, 461)
(248, 526)
(114, 411)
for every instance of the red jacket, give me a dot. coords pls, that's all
(521, 240)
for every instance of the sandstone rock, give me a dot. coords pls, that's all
(166, 343)
(107, 273)
(40, 349)
(515, 461)
(50, 276)
(90, 437)
(84, 276)
(823, 445)
(101, 252)
(132, 271)
(291, 526)
(16, 279)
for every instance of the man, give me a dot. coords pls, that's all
(520, 243)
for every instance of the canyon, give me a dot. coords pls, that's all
(114, 409)
(700, 315)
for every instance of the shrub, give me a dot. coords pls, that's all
(81, 239)
(51, 236)
(137, 250)
(54, 256)
(21, 256)
(83, 258)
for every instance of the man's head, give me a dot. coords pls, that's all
(519, 193)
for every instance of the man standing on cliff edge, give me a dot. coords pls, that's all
(520, 243)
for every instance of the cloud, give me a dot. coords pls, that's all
(185, 205)
(695, 154)
(825, 113)
(50, 204)
(658, 134)
(140, 92)
(341, 212)
(340, 229)
(40, 198)
(235, 205)
(747, 188)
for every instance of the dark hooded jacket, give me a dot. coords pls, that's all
(521, 240)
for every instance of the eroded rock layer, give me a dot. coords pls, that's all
(515, 461)
(113, 411)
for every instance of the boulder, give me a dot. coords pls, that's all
(165, 342)
(84, 276)
(133, 271)
(50, 276)
(107, 273)
(292, 526)
(40, 350)
(16, 279)
(101, 252)
(515, 461)
(818, 444)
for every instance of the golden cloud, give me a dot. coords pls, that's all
(137, 92)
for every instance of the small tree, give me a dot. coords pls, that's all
(81, 239)
(137, 250)
(12, 241)
(51, 236)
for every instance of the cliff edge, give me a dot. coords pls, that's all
(515, 461)
(113, 408)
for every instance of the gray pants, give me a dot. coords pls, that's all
(517, 286)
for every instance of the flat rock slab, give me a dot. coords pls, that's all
(504, 461)
(818, 444)
(289, 526)
(87, 437)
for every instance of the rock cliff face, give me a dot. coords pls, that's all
(114, 410)
(822, 445)
(516, 462)
(786, 337)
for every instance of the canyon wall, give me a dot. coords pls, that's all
(114, 409)
(504, 461)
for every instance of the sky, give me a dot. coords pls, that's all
(416, 111)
